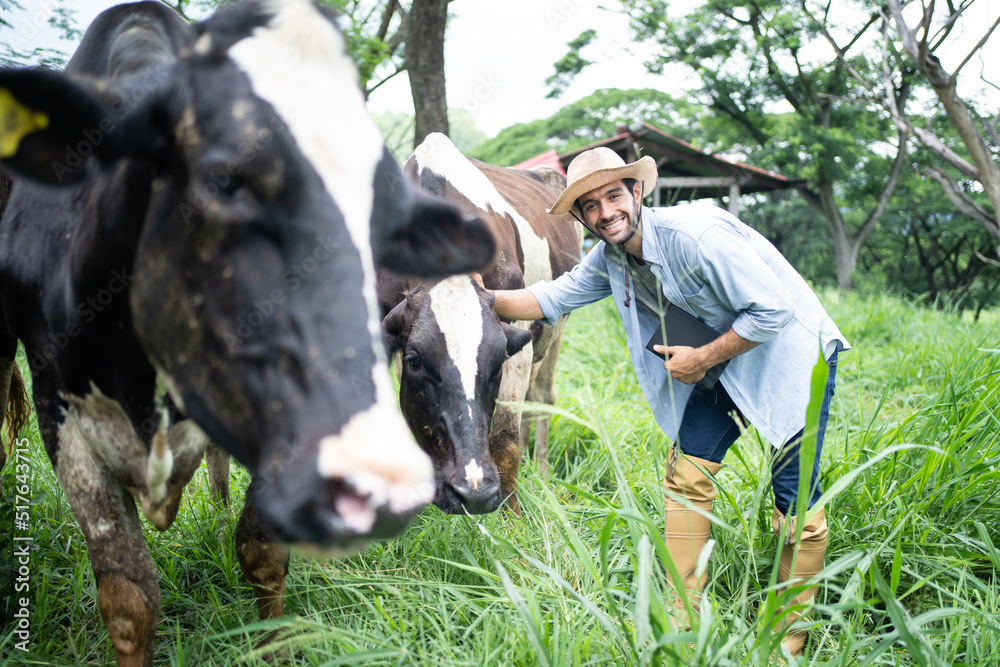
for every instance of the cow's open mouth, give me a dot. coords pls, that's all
(356, 507)
(365, 505)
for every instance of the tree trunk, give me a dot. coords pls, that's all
(845, 246)
(425, 65)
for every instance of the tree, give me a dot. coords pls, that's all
(571, 64)
(927, 249)
(754, 57)
(979, 137)
(425, 65)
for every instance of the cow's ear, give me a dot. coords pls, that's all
(394, 329)
(50, 123)
(516, 338)
(437, 240)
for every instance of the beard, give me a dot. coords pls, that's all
(623, 236)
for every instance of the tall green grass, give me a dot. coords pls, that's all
(910, 467)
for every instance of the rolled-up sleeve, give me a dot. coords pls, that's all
(586, 283)
(744, 283)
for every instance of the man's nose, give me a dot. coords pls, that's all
(607, 210)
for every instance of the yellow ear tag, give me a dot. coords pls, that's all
(16, 120)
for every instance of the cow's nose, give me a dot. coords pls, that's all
(481, 499)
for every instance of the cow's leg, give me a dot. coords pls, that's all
(505, 439)
(154, 474)
(7, 364)
(161, 501)
(263, 561)
(14, 404)
(542, 390)
(127, 588)
(217, 460)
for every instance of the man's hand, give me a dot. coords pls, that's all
(687, 364)
(517, 304)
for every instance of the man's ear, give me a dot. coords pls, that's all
(516, 338)
(637, 192)
(51, 123)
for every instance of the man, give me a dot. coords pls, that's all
(706, 262)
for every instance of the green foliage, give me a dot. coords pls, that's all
(909, 466)
(592, 118)
(785, 99)
(752, 60)
(925, 249)
(16, 39)
(570, 64)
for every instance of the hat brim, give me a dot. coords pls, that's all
(643, 169)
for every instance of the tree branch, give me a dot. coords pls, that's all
(890, 184)
(987, 259)
(962, 201)
(976, 48)
(372, 89)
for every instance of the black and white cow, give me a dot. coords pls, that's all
(189, 254)
(457, 358)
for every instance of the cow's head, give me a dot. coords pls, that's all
(453, 349)
(269, 199)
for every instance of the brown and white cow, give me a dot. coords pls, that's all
(189, 253)
(457, 359)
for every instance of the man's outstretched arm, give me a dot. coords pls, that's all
(515, 304)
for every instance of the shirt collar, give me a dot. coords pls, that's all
(651, 251)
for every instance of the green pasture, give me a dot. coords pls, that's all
(911, 463)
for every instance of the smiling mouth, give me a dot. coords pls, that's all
(614, 225)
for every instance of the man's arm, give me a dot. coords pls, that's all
(689, 364)
(515, 304)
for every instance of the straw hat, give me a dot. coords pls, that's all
(596, 168)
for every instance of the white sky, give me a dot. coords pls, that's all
(498, 55)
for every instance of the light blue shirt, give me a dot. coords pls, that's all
(726, 273)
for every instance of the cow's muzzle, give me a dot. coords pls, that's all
(472, 489)
(368, 481)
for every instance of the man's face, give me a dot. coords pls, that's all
(611, 212)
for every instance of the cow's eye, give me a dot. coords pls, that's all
(225, 197)
(413, 361)
(231, 185)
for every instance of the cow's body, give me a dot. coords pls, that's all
(451, 332)
(210, 274)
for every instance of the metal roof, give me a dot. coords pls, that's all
(549, 158)
(686, 172)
